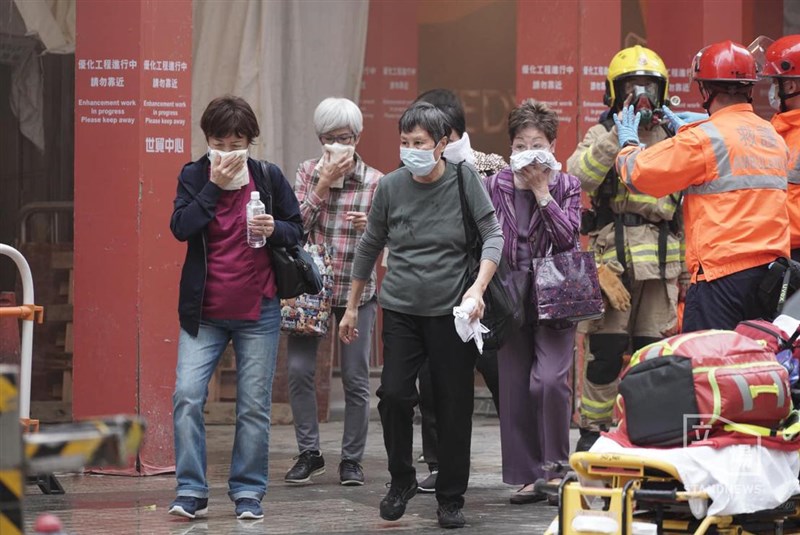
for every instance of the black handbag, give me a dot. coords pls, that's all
(295, 271)
(501, 313)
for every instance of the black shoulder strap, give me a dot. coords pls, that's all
(470, 230)
(264, 164)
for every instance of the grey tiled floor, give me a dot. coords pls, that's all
(125, 505)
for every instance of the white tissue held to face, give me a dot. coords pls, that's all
(527, 157)
(242, 178)
(335, 153)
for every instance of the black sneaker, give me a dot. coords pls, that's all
(587, 439)
(450, 516)
(309, 463)
(393, 505)
(428, 485)
(350, 473)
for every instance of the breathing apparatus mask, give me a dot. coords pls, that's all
(646, 98)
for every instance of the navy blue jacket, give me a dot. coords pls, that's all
(195, 207)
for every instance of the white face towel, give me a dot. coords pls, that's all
(469, 330)
(335, 152)
(460, 151)
(527, 157)
(242, 178)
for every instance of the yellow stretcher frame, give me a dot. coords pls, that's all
(623, 477)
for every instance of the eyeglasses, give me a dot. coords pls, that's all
(344, 139)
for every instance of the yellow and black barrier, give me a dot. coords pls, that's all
(60, 448)
(11, 487)
(96, 443)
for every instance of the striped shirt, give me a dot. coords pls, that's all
(324, 219)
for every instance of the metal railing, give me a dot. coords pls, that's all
(56, 209)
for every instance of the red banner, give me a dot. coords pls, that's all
(389, 82)
(662, 18)
(547, 63)
(597, 45)
(132, 129)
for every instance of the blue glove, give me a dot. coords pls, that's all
(692, 116)
(675, 122)
(627, 126)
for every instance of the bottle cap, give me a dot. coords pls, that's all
(255, 196)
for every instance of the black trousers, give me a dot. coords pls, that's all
(487, 366)
(409, 342)
(724, 302)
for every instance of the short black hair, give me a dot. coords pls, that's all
(450, 104)
(533, 114)
(229, 115)
(428, 117)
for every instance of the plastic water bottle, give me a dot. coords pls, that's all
(255, 207)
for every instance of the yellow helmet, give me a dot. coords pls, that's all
(634, 61)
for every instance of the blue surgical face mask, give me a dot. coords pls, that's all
(419, 161)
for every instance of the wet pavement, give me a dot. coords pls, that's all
(127, 505)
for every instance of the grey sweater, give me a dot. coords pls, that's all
(422, 226)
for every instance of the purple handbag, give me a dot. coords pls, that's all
(565, 287)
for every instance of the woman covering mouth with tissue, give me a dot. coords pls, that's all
(416, 213)
(228, 293)
(335, 193)
(538, 207)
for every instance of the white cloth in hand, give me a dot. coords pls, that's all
(527, 157)
(242, 178)
(466, 329)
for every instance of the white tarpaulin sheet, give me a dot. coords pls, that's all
(739, 479)
(283, 57)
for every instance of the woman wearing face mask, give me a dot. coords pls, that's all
(335, 192)
(416, 213)
(458, 150)
(228, 294)
(539, 211)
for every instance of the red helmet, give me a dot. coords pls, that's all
(724, 62)
(783, 58)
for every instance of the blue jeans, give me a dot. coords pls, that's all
(255, 344)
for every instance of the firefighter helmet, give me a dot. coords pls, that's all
(783, 58)
(634, 61)
(724, 62)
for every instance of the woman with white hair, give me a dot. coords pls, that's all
(335, 192)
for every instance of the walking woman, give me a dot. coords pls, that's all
(416, 213)
(539, 211)
(228, 294)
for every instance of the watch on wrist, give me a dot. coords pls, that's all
(545, 201)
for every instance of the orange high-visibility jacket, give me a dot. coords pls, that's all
(788, 126)
(732, 168)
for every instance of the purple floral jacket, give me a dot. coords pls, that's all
(555, 226)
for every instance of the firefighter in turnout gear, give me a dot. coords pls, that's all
(635, 238)
(732, 168)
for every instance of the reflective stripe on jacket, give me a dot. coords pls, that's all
(592, 160)
(733, 170)
(788, 126)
